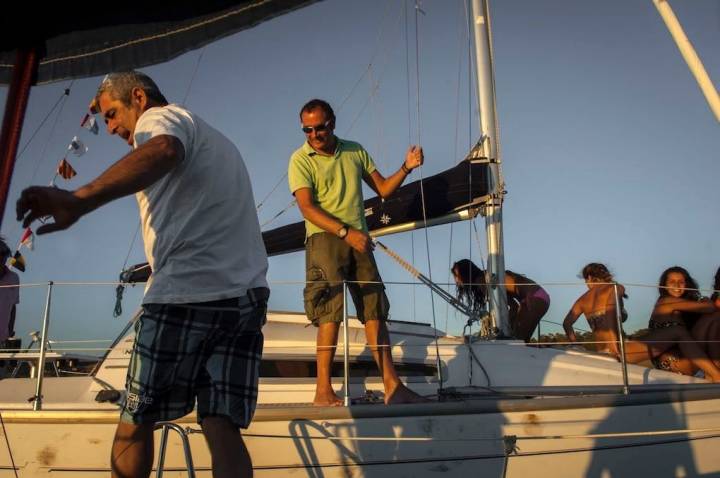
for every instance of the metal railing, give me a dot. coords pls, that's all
(165, 428)
(44, 342)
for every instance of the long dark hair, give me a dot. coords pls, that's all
(600, 271)
(716, 285)
(473, 290)
(690, 283)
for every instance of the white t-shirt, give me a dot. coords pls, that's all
(200, 228)
(9, 296)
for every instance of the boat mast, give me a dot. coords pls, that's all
(691, 58)
(23, 77)
(488, 130)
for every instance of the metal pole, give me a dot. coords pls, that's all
(163, 446)
(346, 352)
(23, 76)
(691, 57)
(618, 316)
(37, 405)
(183, 433)
(488, 129)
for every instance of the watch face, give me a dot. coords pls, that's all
(343, 232)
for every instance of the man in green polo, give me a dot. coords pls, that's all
(326, 175)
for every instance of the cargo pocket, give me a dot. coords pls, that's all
(316, 294)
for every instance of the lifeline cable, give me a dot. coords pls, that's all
(7, 441)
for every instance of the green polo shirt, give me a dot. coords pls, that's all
(335, 181)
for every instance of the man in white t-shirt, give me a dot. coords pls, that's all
(199, 337)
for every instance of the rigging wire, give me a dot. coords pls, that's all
(283, 211)
(374, 88)
(418, 11)
(192, 77)
(61, 101)
(362, 110)
(407, 75)
(414, 297)
(455, 142)
(7, 441)
(501, 179)
(262, 202)
(409, 140)
(378, 49)
(468, 31)
(64, 96)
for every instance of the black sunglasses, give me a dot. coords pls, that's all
(319, 128)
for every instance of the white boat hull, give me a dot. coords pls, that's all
(565, 410)
(564, 437)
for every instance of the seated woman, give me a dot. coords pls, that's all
(527, 301)
(680, 304)
(598, 305)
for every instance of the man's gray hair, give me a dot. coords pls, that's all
(120, 85)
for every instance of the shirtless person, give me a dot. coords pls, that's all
(598, 305)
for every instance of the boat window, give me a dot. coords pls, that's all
(288, 368)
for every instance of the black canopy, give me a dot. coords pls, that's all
(81, 39)
(450, 191)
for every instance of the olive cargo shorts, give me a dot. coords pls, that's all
(329, 261)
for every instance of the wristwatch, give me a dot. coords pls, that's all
(342, 232)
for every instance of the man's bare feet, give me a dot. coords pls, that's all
(713, 377)
(402, 394)
(327, 398)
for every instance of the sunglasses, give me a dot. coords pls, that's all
(319, 128)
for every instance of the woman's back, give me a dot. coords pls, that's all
(599, 306)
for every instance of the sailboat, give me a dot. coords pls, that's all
(505, 408)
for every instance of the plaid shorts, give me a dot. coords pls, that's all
(208, 351)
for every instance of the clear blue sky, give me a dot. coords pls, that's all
(609, 150)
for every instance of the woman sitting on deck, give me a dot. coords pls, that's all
(527, 301)
(599, 305)
(681, 305)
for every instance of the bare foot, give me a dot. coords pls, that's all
(713, 377)
(327, 399)
(402, 394)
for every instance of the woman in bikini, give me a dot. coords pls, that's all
(598, 305)
(527, 301)
(681, 305)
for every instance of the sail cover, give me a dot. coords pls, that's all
(86, 39)
(453, 190)
(459, 189)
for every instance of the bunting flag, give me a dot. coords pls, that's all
(90, 124)
(65, 170)
(77, 147)
(27, 239)
(18, 261)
